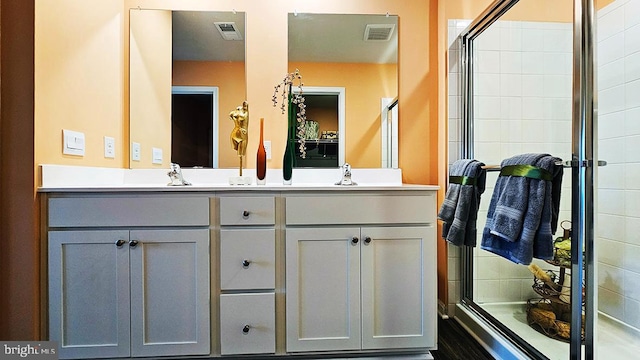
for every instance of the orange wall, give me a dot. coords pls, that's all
(78, 79)
(230, 79)
(150, 85)
(365, 85)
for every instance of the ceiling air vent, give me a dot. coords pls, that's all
(228, 30)
(378, 32)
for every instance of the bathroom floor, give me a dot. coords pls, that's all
(454, 342)
(613, 340)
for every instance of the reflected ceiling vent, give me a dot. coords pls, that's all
(228, 30)
(378, 32)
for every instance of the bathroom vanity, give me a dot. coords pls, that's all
(212, 270)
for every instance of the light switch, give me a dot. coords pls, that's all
(73, 142)
(109, 147)
(135, 151)
(156, 155)
(267, 148)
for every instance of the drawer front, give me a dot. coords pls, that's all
(131, 210)
(247, 324)
(255, 210)
(247, 259)
(361, 209)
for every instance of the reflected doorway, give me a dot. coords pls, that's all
(194, 126)
(325, 107)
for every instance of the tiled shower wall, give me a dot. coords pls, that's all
(522, 104)
(618, 213)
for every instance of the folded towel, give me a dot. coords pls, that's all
(459, 210)
(523, 212)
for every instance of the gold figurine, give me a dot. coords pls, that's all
(240, 132)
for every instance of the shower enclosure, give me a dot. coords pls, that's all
(524, 78)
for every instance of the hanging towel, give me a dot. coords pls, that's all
(523, 212)
(459, 210)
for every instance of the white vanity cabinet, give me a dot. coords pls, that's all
(129, 275)
(361, 272)
(247, 274)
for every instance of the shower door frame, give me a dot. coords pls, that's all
(583, 169)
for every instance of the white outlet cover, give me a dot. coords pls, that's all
(156, 155)
(72, 142)
(109, 147)
(267, 148)
(135, 151)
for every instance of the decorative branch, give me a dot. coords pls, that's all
(296, 98)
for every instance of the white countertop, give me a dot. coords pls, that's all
(62, 178)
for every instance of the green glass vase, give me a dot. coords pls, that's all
(289, 160)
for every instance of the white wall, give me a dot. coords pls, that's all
(618, 213)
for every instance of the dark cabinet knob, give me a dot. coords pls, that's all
(120, 242)
(133, 243)
(367, 240)
(246, 329)
(246, 263)
(245, 214)
(354, 240)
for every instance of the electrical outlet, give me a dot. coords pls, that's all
(267, 148)
(109, 147)
(135, 151)
(156, 156)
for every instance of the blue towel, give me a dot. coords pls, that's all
(523, 212)
(459, 210)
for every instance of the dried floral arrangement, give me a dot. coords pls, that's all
(296, 98)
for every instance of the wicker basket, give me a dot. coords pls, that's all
(555, 290)
(552, 319)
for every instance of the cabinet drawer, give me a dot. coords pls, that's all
(257, 248)
(247, 324)
(255, 210)
(131, 210)
(361, 209)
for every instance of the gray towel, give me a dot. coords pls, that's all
(459, 210)
(537, 200)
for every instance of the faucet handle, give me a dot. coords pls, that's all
(346, 176)
(175, 174)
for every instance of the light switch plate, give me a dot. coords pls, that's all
(135, 151)
(156, 155)
(72, 142)
(109, 147)
(267, 148)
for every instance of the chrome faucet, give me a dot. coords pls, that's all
(346, 176)
(176, 176)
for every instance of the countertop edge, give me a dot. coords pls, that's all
(238, 188)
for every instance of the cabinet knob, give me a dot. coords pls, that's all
(354, 240)
(133, 243)
(245, 214)
(120, 242)
(367, 240)
(246, 263)
(246, 329)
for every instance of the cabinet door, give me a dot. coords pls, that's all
(323, 289)
(170, 292)
(89, 293)
(398, 287)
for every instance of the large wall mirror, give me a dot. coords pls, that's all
(186, 71)
(352, 56)
(180, 62)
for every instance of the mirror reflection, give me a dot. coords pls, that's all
(186, 72)
(356, 56)
(180, 62)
